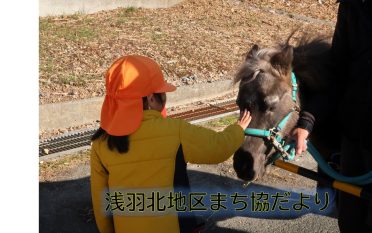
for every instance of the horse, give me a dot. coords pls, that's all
(266, 90)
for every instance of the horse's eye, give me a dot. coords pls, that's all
(271, 100)
(271, 108)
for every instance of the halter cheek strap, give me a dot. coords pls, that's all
(294, 87)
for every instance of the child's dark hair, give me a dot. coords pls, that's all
(121, 143)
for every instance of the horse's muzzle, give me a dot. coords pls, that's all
(243, 165)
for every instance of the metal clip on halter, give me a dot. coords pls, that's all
(282, 149)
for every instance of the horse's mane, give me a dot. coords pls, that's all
(311, 60)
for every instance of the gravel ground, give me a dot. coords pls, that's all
(65, 204)
(194, 41)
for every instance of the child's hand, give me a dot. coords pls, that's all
(245, 119)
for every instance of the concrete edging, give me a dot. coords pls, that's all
(75, 113)
(66, 7)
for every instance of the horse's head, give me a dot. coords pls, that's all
(265, 89)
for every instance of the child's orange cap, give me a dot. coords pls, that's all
(128, 80)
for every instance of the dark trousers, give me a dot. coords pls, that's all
(355, 214)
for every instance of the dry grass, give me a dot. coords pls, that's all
(221, 123)
(204, 38)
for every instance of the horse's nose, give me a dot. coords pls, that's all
(247, 175)
(243, 165)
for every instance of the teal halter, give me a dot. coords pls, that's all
(287, 151)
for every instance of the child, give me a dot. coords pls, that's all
(136, 147)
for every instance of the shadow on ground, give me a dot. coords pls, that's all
(66, 206)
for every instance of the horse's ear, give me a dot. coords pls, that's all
(252, 53)
(282, 61)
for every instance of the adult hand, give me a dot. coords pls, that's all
(300, 135)
(245, 119)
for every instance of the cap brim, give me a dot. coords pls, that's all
(166, 87)
(121, 117)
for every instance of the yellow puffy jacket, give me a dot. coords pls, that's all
(151, 163)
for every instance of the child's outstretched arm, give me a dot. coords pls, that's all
(201, 145)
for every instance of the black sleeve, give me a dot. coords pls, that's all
(306, 121)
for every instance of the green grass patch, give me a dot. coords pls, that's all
(47, 65)
(157, 36)
(78, 15)
(129, 10)
(72, 79)
(76, 34)
(123, 14)
(77, 80)
(82, 28)
(222, 122)
(45, 24)
(69, 33)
